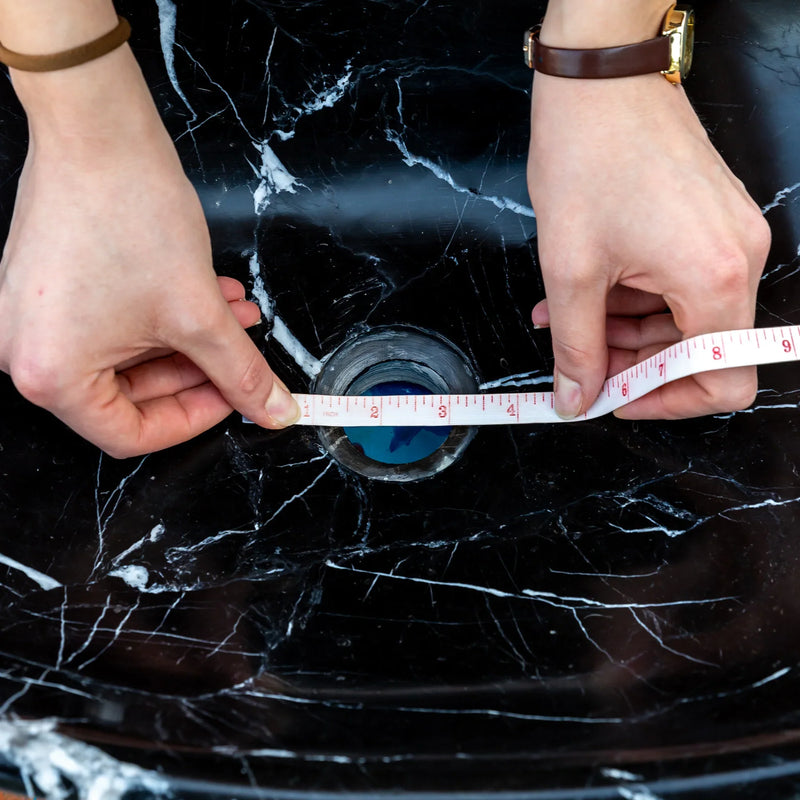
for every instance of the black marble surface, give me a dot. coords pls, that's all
(604, 609)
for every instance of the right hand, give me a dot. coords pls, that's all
(111, 315)
(637, 213)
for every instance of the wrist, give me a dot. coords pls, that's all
(84, 112)
(40, 27)
(599, 23)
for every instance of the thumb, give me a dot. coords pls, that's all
(577, 310)
(226, 354)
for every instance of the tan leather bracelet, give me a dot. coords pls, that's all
(69, 58)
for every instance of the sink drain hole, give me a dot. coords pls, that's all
(389, 361)
(403, 445)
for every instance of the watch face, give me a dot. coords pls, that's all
(688, 44)
(679, 26)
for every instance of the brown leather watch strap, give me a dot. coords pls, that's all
(68, 58)
(641, 58)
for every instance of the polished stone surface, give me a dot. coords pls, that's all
(603, 609)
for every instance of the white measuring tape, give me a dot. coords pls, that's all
(711, 351)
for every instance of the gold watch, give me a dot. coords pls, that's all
(679, 28)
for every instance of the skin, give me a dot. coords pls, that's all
(645, 235)
(134, 342)
(111, 315)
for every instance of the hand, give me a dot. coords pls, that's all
(637, 213)
(111, 315)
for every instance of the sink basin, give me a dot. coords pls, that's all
(600, 609)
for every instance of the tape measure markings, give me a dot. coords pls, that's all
(702, 353)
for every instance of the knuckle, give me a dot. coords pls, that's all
(743, 395)
(578, 362)
(253, 377)
(197, 321)
(760, 235)
(572, 352)
(736, 395)
(197, 327)
(567, 277)
(123, 442)
(729, 273)
(37, 379)
(121, 450)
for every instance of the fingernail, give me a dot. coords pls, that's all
(537, 326)
(568, 397)
(282, 408)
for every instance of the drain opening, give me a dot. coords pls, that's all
(402, 445)
(396, 360)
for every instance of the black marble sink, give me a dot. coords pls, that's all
(602, 609)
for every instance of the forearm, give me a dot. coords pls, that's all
(600, 23)
(84, 111)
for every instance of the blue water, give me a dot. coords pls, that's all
(402, 445)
